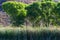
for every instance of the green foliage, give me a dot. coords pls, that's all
(42, 11)
(57, 13)
(34, 12)
(16, 11)
(46, 12)
(46, 0)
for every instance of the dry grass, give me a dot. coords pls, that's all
(29, 28)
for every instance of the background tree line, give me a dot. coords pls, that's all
(43, 13)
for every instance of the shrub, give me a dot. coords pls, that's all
(34, 12)
(47, 0)
(48, 11)
(57, 13)
(16, 11)
(41, 11)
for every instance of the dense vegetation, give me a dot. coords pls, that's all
(43, 13)
(46, 13)
(29, 33)
(17, 12)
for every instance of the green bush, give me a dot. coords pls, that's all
(34, 12)
(46, 13)
(41, 11)
(57, 13)
(16, 11)
(47, 0)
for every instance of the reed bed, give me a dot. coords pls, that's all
(29, 33)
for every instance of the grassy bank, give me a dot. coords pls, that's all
(29, 33)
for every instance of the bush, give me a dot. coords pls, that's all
(34, 12)
(47, 0)
(46, 13)
(57, 13)
(41, 11)
(16, 11)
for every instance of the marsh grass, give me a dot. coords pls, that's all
(29, 33)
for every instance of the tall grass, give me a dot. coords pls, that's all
(29, 33)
